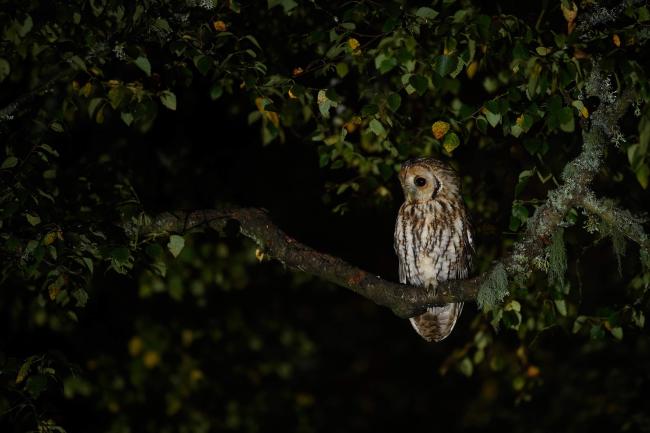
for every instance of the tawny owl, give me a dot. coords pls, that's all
(432, 238)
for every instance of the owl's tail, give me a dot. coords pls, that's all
(438, 322)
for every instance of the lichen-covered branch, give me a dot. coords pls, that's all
(617, 219)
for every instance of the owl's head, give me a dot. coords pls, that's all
(425, 179)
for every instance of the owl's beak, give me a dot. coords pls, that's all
(410, 193)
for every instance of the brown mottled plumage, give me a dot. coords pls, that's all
(432, 238)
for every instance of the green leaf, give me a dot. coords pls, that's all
(481, 124)
(369, 110)
(121, 260)
(579, 322)
(524, 177)
(566, 119)
(466, 367)
(394, 101)
(36, 385)
(560, 305)
(287, 5)
(376, 127)
(143, 63)
(5, 69)
(78, 62)
(116, 95)
(33, 219)
(342, 69)
(10, 162)
(617, 332)
(642, 174)
(24, 369)
(253, 41)
(97, 6)
(89, 263)
(420, 83)
(483, 25)
(176, 244)
(446, 64)
(202, 63)
(384, 63)
(93, 105)
(324, 104)
(126, 118)
(168, 99)
(427, 13)
(216, 91)
(81, 297)
(450, 142)
(596, 332)
(492, 118)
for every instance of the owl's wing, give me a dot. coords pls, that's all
(402, 273)
(398, 243)
(467, 250)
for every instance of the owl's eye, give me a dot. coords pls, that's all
(420, 181)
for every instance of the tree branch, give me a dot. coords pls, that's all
(20, 104)
(403, 300)
(406, 300)
(620, 220)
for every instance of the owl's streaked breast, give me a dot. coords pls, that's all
(429, 240)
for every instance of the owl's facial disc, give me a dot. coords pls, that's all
(419, 184)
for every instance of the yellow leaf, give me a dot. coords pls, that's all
(187, 336)
(304, 399)
(99, 117)
(151, 359)
(259, 103)
(297, 71)
(382, 191)
(439, 129)
(584, 112)
(520, 120)
(579, 54)
(616, 39)
(259, 254)
(219, 26)
(135, 346)
(291, 95)
(532, 371)
(354, 46)
(322, 97)
(350, 127)
(196, 375)
(471, 70)
(353, 124)
(53, 290)
(273, 117)
(87, 89)
(49, 238)
(24, 369)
